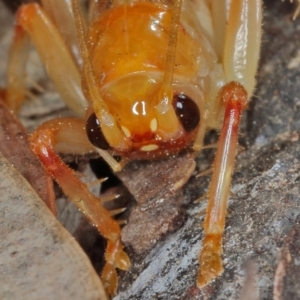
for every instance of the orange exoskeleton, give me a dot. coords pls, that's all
(147, 79)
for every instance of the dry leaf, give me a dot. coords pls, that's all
(39, 258)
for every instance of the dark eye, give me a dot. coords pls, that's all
(187, 112)
(95, 134)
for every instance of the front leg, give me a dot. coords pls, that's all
(69, 135)
(240, 58)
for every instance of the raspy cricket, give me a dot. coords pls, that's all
(147, 80)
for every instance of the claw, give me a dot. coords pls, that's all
(115, 258)
(210, 260)
(122, 261)
(109, 279)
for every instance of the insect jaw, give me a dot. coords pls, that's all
(153, 128)
(149, 148)
(153, 125)
(126, 131)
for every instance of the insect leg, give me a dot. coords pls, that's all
(53, 52)
(242, 43)
(16, 73)
(61, 15)
(68, 135)
(235, 97)
(219, 16)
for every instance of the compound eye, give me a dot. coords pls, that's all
(95, 134)
(187, 112)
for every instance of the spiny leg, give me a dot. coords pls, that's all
(240, 63)
(68, 135)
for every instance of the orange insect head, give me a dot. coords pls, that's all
(136, 81)
(133, 101)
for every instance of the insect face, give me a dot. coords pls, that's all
(132, 101)
(131, 80)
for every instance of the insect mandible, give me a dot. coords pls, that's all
(147, 79)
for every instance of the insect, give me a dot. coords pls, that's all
(147, 79)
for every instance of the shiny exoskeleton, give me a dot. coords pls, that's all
(147, 79)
